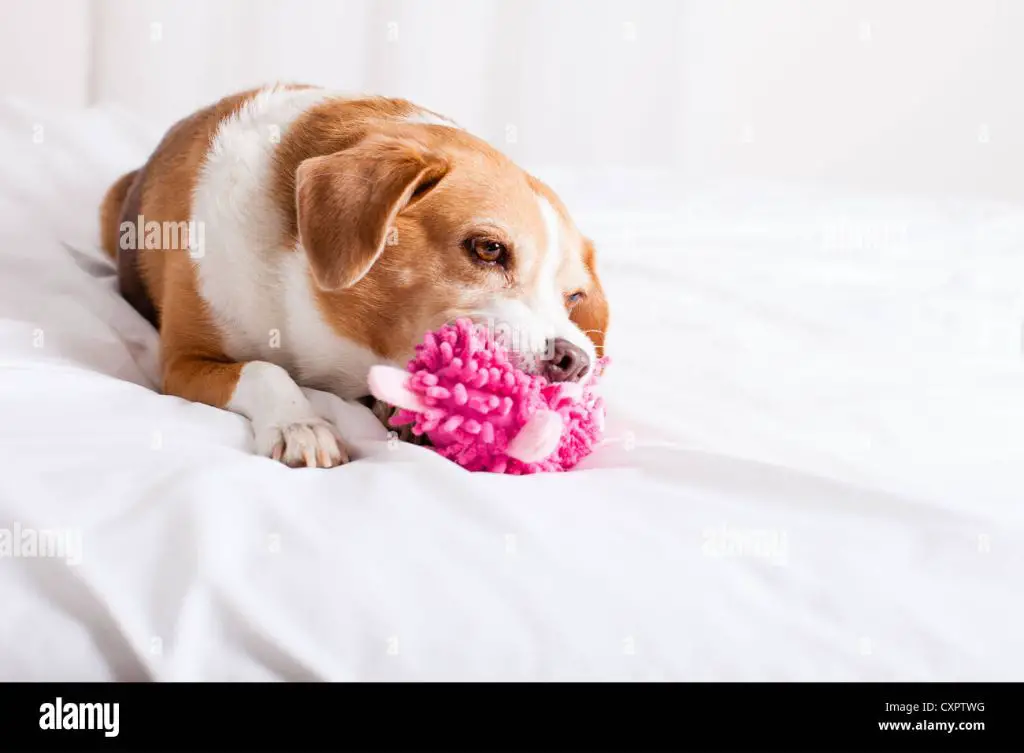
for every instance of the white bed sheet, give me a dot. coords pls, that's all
(814, 471)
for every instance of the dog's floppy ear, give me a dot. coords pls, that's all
(346, 203)
(591, 314)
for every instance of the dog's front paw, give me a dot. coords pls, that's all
(311, 443)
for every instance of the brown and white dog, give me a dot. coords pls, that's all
(335, 232)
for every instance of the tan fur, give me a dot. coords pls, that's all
(347, 201)
(591, 314)
(110, 212)
(194, 364)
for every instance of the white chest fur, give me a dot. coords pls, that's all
(258, 293)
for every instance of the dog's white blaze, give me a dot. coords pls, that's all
(533, 320)
(547, 298)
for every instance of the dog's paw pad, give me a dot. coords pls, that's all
(313, 443)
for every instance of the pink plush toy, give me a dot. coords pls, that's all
(485, 414)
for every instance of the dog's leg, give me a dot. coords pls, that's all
(284, 424)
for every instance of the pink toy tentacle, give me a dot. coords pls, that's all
(389, 384)
(538, 438)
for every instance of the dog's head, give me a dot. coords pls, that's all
(411, 228)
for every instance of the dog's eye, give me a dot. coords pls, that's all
(573, 298)
(487, 250)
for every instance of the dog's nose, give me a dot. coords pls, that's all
(568, 362)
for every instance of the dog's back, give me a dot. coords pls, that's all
(162, 189)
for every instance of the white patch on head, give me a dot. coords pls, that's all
(426, 117)
(530, 323)
(547, 294)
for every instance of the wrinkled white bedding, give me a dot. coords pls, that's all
(815, 464)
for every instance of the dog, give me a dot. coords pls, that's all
(290, 236)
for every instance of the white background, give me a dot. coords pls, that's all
(840, 372)
(891, 95)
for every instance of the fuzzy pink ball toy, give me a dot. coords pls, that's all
(482, 412)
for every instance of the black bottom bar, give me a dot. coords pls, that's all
(500, 717)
